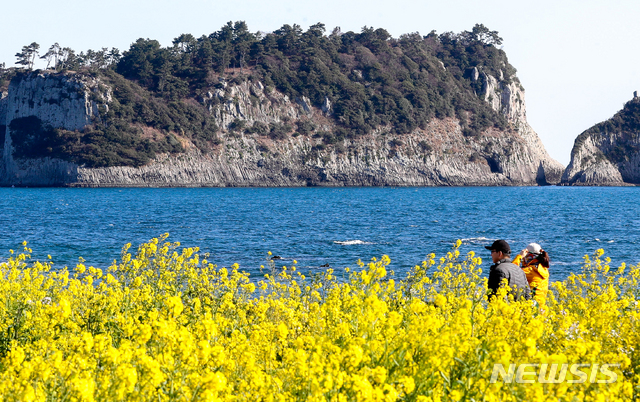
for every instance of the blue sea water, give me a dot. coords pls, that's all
(318, 226)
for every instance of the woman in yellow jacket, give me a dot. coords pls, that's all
(535, 264)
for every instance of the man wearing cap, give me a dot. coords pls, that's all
(503, 271)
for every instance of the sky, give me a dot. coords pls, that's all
(576, 59)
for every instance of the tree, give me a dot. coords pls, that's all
(205, 53)
(288, 38)
(182, 55)
(482, 34)
(141, 61)
(52, 55)
(186, 43)
(223, 45)
(317, 30)
(102, 58)
(242, 40)
(28, 55)
(67, 59)
(314, 35)
(113, 57)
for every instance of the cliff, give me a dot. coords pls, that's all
(608, 154)
(438, 154)
(66, 101)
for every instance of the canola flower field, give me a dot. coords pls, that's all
(164, 324)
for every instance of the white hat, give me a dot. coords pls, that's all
(534, 248)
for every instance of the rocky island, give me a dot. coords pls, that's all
(608, 154)
(289, 108)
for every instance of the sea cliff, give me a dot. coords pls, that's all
(439, 154)
(608, 154)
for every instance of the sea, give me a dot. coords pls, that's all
(322, 227)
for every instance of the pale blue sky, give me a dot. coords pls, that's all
(577, 59)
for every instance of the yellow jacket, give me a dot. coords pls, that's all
(538, 278)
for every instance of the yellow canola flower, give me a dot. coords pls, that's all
(165, 324)
(175, 306)
(65, 308)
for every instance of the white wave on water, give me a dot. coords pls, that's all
(575, 264)
(351, 242)
(474, 240)
(608, 241)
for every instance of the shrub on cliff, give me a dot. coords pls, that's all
(6, 74)
(118, 144)
(136, 105)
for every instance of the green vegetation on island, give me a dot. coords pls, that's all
(371, 80)
(625, 125)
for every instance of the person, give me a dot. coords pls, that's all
(504, 272)
(535, 264)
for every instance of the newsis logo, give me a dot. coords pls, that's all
(555, 373)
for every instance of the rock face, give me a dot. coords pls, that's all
(250, 102)
(3, 122)
(508, 99)
(608, 154)
(69, 101)
(438, 155)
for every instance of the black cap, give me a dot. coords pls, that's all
(499, 245)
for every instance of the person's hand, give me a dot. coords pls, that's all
(523, 253)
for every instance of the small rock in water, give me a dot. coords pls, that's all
(276, 257)
(324, 265)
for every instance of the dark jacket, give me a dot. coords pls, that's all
(515, 278)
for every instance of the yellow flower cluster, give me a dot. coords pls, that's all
(165, 324)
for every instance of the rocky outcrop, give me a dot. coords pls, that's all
(67, 101)
(251, 102)
(436, 155)
(70, 101)
(608, 154)
(508, 99)
(375, 160)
